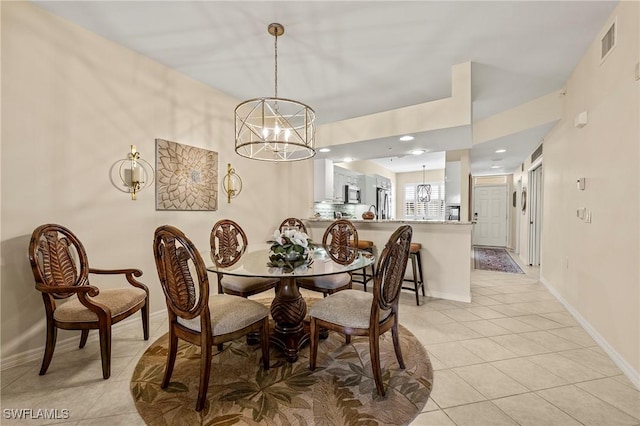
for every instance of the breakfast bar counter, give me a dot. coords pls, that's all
(446, 250)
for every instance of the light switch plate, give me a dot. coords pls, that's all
(581, 183)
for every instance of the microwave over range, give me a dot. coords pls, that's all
(351, 194)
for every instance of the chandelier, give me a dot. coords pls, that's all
(275, 129)
(424, 190)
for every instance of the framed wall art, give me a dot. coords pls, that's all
(186, 177)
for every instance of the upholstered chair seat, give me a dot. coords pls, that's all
(118, 301)
(228, 314)
(347, 308)
(245, 285)
(326, 283)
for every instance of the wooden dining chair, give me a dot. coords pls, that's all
(357, 313)
(194, 315)
(340, 240)
(61, 271)
(292, 222)
(228, 243)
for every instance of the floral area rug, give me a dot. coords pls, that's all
(341, 390)
(495, 259)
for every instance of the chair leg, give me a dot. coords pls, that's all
(415, 278)
(396, 343)
(83, 338)
(374, 349)
(105, 349)
(145, 319)
(205, 372)
(420, 272)
(264, 343)
(171, 358)
(347, 339)
(52, 334)
(313, 343)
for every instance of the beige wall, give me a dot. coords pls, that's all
(73, 103)
(593, 267)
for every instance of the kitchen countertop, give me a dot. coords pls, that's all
(445, 251)
(409, 221)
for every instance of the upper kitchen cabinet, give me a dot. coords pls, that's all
(452, 182)
(323, 189)
(341, 178)
(329, 181)
(368, 189)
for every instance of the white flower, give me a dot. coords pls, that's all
(299, 241)
(277, 237)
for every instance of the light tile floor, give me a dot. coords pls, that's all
(514, 356)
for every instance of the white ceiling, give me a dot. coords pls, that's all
(354, 58)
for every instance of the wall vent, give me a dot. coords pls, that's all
(536, 154)
(608, 42)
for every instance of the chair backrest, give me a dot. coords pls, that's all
(340, 240)
(293, 221)
(176, 261)
(228, 242)
(389, 271)
(58, 258)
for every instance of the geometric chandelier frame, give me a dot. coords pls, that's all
(275, 129)
(423, 191)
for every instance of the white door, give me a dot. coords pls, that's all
(490, 215)
(535, 215)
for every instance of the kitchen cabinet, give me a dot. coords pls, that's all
(341, 178)
(452, 182)
(368, 189)
(339, 181)
(323, 181)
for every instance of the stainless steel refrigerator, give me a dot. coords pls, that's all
(383, 203)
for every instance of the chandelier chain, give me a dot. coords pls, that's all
(276, 62)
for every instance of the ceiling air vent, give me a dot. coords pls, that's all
(608, 42)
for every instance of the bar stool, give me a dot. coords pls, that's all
(361, 276)
(418, 281)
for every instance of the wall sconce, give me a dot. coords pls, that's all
(231, 184)
(135, 173)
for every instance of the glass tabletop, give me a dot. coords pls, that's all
(253, 263)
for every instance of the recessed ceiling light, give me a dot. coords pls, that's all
(500, 151)
(324, 150)
(417, 152)
(495, 167)
(348, 160)
(406, 138)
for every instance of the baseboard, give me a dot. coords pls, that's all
(448, 296)
(627, 369)
(68, 344)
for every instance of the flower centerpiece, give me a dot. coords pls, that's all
(289, 249)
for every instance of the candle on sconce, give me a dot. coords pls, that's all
(135, 174)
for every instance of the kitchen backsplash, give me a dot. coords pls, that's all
(327, 211)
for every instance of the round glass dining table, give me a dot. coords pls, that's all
(288, 308)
